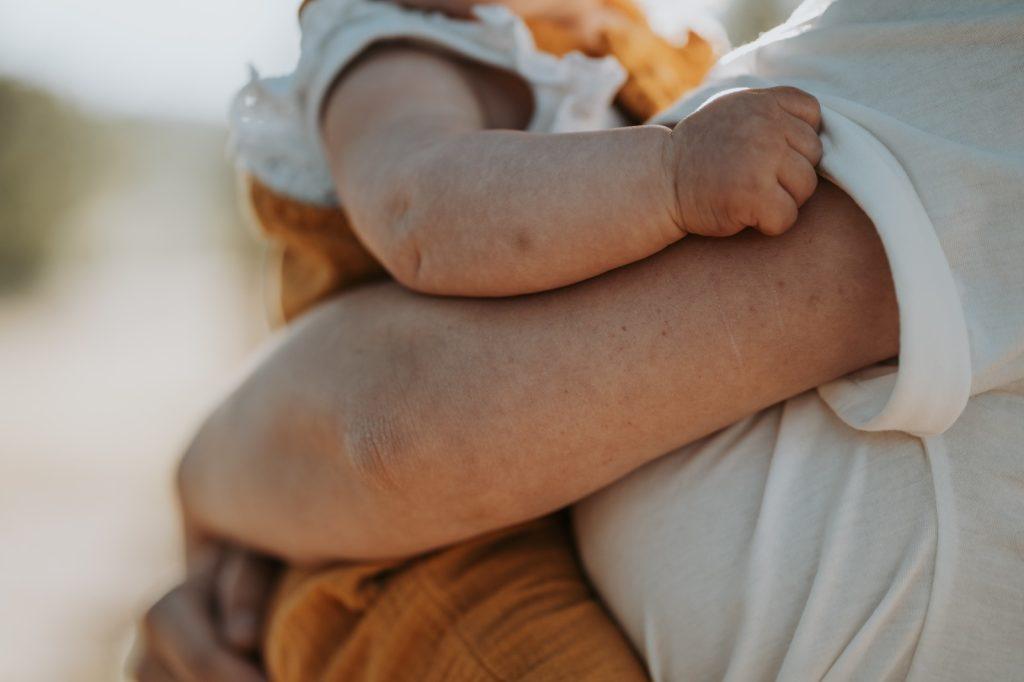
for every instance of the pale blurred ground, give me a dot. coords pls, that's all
(147, 302)
(107, 363)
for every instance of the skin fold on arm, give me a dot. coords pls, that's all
(387, 423)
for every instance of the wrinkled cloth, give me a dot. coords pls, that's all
(872, 529)
(509, 606)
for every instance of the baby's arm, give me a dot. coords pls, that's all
(450, 208)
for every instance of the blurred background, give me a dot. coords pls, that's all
(130, 295)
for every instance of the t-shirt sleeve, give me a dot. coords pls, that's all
(916, 130)
(928, 388)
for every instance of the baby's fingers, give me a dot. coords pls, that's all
(777, 212)
(799, 104)
(797, 177)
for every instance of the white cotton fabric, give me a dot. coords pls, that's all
(872, 529)
(275, 121)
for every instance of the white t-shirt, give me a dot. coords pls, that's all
(821, 538)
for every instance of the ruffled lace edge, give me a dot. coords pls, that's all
(274, 121)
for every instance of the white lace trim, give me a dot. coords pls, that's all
(274, 121)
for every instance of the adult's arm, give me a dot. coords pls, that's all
(387, 423)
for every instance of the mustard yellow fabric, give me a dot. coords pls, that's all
(509, 606)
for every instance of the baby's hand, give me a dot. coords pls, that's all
(746, 159)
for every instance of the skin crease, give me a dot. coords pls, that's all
(450, 207)
(407, 421)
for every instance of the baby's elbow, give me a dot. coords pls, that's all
(415, 263)
(417, 251)
(402, 250)
(422, 254)
(405, 262)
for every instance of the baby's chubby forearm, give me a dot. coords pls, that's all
(452, 207)
(494, 213)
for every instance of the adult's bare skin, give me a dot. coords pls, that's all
(388, 423)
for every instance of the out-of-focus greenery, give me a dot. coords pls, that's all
(171, 180)
(46, 153)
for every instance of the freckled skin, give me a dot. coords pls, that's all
(498, 411)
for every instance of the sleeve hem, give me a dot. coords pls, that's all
(929, 389)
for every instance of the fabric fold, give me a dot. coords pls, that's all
(929, 389)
